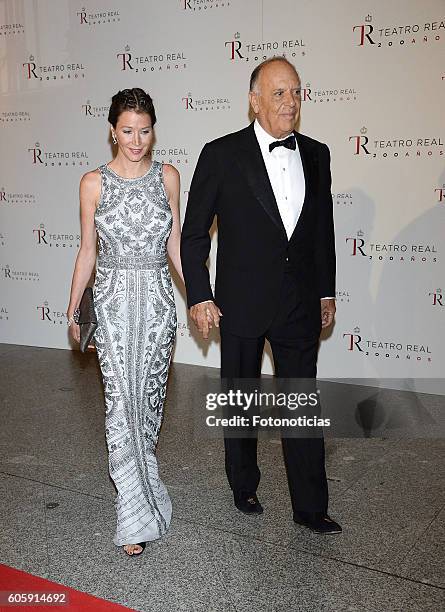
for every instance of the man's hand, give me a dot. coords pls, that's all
(327, 312)
(205, 316)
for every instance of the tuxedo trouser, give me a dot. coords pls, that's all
(294, 345)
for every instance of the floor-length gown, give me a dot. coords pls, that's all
(136, 329)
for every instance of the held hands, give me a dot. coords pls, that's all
(205, 315)
(327, 312)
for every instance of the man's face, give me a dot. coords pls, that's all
(276, 100)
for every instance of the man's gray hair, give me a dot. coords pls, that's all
(256, 71)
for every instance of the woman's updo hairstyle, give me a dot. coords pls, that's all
(132, 100)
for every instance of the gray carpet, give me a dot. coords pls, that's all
(57, 511)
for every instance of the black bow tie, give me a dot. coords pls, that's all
(289, 143)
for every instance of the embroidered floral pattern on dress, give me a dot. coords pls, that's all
(136, 330)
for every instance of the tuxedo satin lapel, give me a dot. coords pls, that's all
(251, 162)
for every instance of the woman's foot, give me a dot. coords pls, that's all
(134, 550)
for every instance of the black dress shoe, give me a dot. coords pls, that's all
(248, 503)
(318, 522)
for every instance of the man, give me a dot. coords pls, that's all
(270, 188)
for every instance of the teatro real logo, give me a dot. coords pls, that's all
(184, 329)
(44, 237)
(437, 298)
(11, 274)
(46, 314)
(163, 60)
(392, 252)
(95, 111)
(176, 154)
(11, 198)
(343, 295)
(33, 71)
(256, 51)
(356, 245)
(56, 159)
(440, 193)
(384, 349)
(365, 145)
(412, 35)
(317, 94)
(343, 200)
(205, 103)
(97, 17)
(4, 313)
(11, 29)
(15, 117)
(204, 5)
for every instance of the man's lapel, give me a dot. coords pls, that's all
(251, 162)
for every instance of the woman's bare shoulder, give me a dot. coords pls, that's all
(170, 172)
(90, 183)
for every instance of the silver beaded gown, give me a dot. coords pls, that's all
(134, 339)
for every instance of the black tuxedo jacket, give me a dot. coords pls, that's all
(231, 181)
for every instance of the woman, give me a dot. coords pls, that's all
(132, 206)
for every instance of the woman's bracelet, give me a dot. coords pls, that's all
(74, 318)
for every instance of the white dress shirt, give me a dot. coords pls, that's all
(285, 170)
(286, 176)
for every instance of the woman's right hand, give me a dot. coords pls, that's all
(75, 332)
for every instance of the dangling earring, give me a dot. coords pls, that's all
(113, 138)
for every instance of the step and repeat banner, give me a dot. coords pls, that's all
(373, 89)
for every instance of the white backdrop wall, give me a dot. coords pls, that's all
(373, 89)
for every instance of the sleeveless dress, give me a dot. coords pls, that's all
(134, 338)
